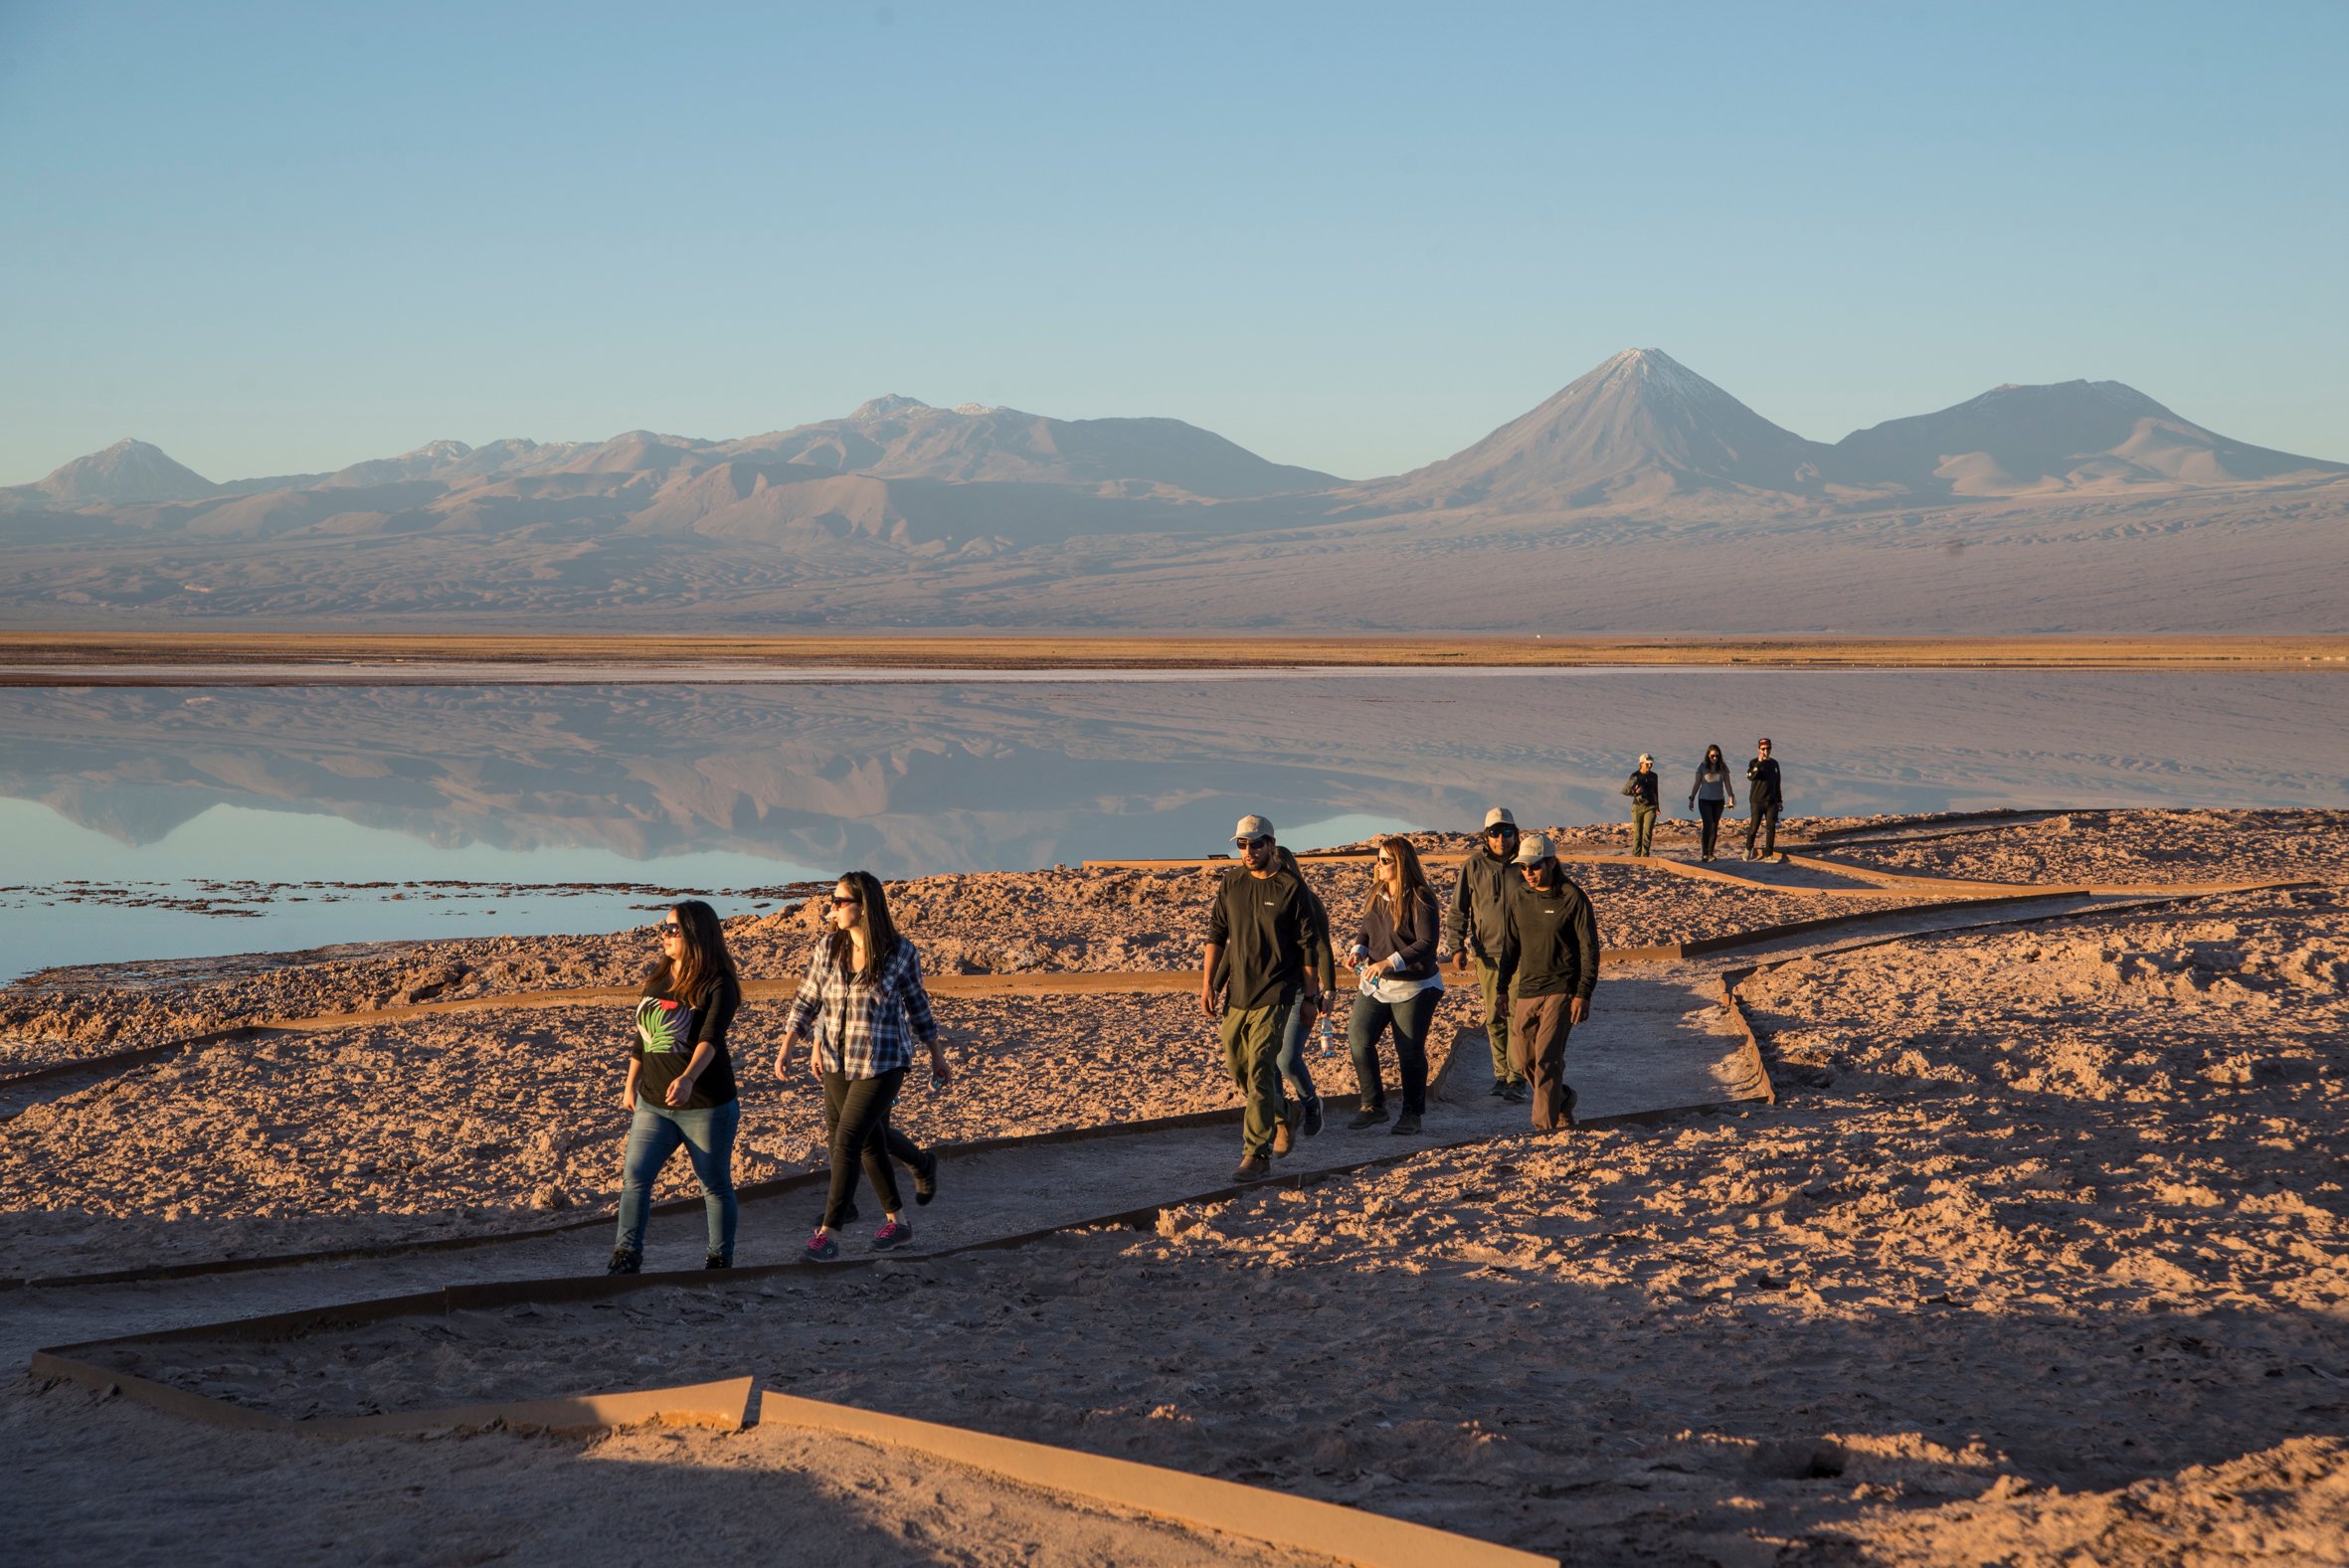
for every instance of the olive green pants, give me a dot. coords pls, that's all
(1643, 828)
(1488, 980)
(1252, 1055)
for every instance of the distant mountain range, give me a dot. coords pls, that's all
(1030, 519)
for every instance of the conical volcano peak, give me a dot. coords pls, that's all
(1639, 428)
(129, 473)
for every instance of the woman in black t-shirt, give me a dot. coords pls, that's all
(680, 1081)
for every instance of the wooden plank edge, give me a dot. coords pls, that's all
(1278, 1518)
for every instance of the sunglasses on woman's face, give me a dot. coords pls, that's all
(846, 903)
(1386, 860)
(671, 931)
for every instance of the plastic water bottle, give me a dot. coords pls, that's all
(1328, 1040)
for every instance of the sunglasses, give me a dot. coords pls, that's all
(1258, 842)
(673, 931)
(1386, 860)
(846, 903)
(1535, 867)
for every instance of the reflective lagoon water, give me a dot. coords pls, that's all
(179, 822)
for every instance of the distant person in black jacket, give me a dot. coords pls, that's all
(1549, 959)
(1763, 797)
(1642, 786)
(1473, 929)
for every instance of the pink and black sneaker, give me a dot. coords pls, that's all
(893, 1233)
(820, 1248)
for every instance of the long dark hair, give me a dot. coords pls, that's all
(1415, 880)
(880, 930)
(1710, 752)
(702, 959)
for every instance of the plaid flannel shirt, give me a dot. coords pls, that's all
(860, 1031)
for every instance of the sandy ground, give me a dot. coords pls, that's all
(2042, 1257)
(378, 657)
(2127, 847)
(480, 1123)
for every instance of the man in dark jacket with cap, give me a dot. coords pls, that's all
(1472, 930)
(1550, 960)
(1259, 931)
(1763, 797)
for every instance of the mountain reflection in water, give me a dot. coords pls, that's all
(917, 777)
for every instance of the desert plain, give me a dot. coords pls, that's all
(2030, 1251)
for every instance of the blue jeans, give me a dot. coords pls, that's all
(708, 1137)
(1409, 1023)
(1291, 1060)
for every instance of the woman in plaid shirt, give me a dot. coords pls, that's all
(860, 1009)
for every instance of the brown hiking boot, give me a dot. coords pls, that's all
(1283, 1139)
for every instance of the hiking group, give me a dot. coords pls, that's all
(1710, 793)
(1269, 971)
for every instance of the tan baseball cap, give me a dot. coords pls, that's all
(1253, 827)
(1498, 816)
(1535, 848)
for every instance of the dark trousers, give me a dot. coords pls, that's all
(859, 1110)
(1538, 1029)
(1710, 812)
(903, 1149)
(1408, 1021)
(1766, 824)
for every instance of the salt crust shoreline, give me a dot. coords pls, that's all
(2042, 1257)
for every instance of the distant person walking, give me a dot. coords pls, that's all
(860, 1009)
(1255, 970)
(1394, 948)
(1471, 928)
(1549, 959)
(1763, 798)
(681, 1083)
(1710, 794)
(1642, 786)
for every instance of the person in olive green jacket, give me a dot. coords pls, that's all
(1257, 965)
(1472, 930)
(1550, 960)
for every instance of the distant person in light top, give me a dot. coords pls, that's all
(1257, 967)
(1763, 798)
(1393, 953)
(1642, 786)
(860, 1009)
(1549, 959)
(681, 1083)
(1710, 793)
(1472, 930)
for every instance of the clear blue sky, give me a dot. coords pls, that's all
(272, 238)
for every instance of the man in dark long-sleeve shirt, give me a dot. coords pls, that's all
(1550, 960)
(1763, 797)
(1471, 928)
(1259, 935)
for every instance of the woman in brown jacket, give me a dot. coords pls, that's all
(1394, 946)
